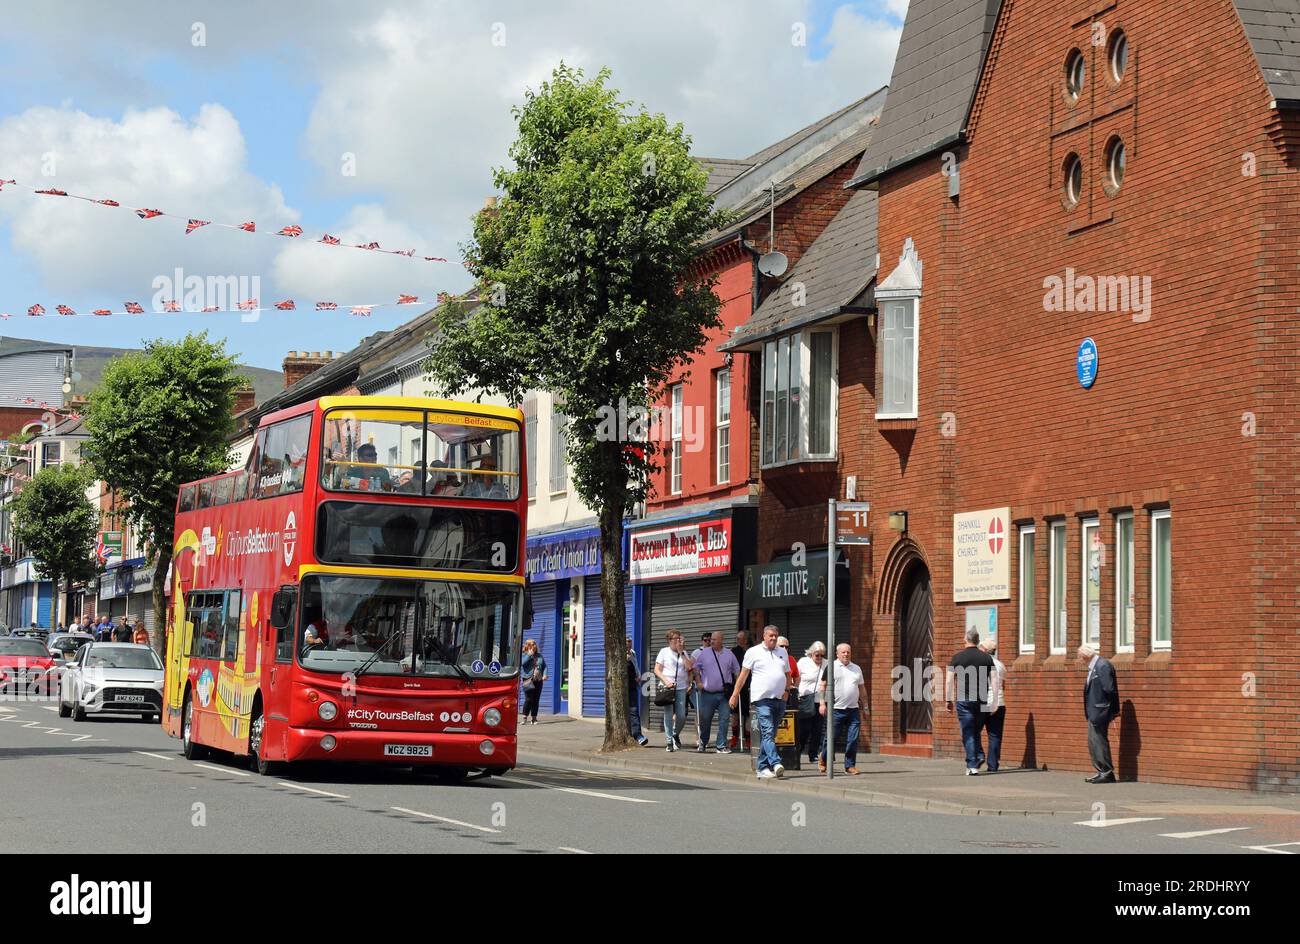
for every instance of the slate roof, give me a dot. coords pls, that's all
(837, 268)
(1273, 27)
(940, 56)
(722, 171)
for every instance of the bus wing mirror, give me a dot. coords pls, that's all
(282, 607)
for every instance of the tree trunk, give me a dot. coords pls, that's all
(612, 588)
(56, 623)
(161, 562)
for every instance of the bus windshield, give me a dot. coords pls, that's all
(418, 452)
(399, 626)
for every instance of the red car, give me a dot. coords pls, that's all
(25, 665)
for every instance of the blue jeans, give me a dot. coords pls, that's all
(970, 715)
(993, 722)
(768, 712)
(812, 735)
(853, 718)
(634, 722)
(678, 709)
(708, 704)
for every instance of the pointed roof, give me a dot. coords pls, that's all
(1273, 28)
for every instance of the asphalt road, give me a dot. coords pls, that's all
(118, 785)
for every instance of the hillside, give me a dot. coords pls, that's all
(90, 363)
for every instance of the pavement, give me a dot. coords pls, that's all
(936, 786)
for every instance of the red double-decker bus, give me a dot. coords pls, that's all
(355, 593)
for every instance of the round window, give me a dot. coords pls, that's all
(1075, 72)
(1073, 179)
(1116, 158)
(1118, 55)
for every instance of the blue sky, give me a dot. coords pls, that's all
(258, 120)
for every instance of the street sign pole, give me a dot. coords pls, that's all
(829, 703)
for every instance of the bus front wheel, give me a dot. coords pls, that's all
(191, 749)
(256, 761)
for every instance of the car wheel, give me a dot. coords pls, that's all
(64, 710)
(78, 713)
(189, 748)
(256, 762)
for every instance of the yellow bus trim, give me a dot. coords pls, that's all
(459, 576)
(422, 403)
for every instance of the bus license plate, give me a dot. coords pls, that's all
(408, 750)
(126, 697)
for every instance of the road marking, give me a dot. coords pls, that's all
(573, 850)
(590, 793)
(159, 756)
(1099, 823)
(1276, 848)
(7, 711)
(1205, 832)
(444, 819)
(220, 770)
(323, 793)
(49, 707)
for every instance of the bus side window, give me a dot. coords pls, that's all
(231, 644)
(187, 498)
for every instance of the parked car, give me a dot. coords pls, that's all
(112, 678)
(24, 664)
(65, 645)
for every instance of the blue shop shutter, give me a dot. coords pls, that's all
(593, 649)
(543, 633)
(44, 601)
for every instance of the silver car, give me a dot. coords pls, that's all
(112, 678)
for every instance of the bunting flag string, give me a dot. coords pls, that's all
(193, 223)
(245, 306)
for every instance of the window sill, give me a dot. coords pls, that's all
(897, 424)
(809, 460)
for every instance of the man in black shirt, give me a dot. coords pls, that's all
(968, 685)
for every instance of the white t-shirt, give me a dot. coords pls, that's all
(673, 666)
(997, 698)
(810, 675)
(768, 670)
(847, 679)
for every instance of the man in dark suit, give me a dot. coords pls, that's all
(1100, 705)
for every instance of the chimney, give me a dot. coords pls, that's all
(298, 364)
(244, 400)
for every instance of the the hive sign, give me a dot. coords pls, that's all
(290, 538)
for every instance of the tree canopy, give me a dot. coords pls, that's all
(58, 525)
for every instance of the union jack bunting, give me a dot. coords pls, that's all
(145, 214)
(5, 314)
(329, 240)
(286, 305)
(192, 225)
(54, 193)
(290, 231)
(109, 203)
(326, 306)
(407, 299)
(3, 182)
(212, 308)
(409, 253)
(362, 310)
(36, 311)
(133, 308)
(248, 304)
(367, 245)
(434, 259)
(64, 310)
(249, 227)
(172, 305)
(101, 311)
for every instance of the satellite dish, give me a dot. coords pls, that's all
(773, 264)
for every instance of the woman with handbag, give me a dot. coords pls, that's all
(808, 721)
(532, 669)
(673, 672)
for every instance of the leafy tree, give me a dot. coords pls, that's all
(161, 417)
(585, 272)
(58, 525)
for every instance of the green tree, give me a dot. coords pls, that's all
(585, 272)
(58, 525)
(161, 417)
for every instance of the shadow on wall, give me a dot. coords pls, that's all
(1130, 743)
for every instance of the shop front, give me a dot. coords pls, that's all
(792, 593)
(568, 625)
(126, 589)
(690, 567)
(24, 597)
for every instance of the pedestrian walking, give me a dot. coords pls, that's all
(634, 696)
(716, 669)
(792, 694)
(768, 665)
(141, 637)
(850, 706)
(1100, 706)
(739, 734)
(532, 669)
(808, 722)
(968, 685)
(673, 670)
(995, 711)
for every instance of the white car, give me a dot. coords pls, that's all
(112, 678)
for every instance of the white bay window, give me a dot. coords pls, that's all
(800, 394)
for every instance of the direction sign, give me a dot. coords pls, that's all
(851, 526)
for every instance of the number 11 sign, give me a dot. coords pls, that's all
(851, 523)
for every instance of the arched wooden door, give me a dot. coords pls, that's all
(916, 635)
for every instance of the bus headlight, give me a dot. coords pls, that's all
(492, 717)
(328, 711)
(328, 742)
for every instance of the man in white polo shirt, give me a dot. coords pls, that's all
(850, 703)
(767, 667)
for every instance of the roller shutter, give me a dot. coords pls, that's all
(694, 607)
(543, 633)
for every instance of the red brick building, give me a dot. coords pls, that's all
(1077, 386)
(698, 532)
